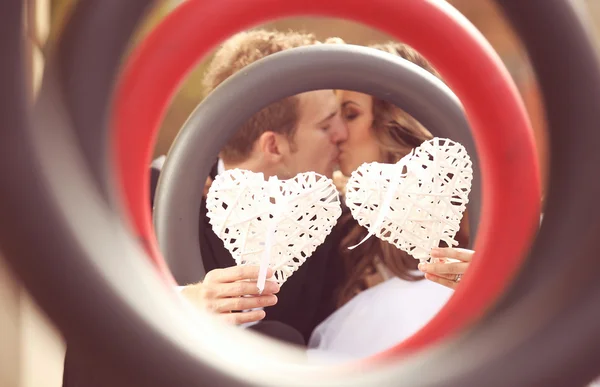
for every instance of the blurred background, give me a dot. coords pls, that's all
(32, 350)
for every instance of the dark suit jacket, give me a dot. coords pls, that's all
(306, 299)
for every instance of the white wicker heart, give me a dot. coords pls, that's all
(416, 203)
(274, 223)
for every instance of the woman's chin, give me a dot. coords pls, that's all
(348, 168)
(345, 170)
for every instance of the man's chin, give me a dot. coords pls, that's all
(327, 172)
(335, 166)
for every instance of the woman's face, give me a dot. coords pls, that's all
(361, 146)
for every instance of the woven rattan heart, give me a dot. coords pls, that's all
(416, 203)
(278, 223)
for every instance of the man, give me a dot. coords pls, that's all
(297, 134)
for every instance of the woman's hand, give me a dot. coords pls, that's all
(447, 272)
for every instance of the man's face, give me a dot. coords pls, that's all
(319, 131)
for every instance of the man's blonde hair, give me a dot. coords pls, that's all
(238, 52)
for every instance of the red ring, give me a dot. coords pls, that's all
(504, 139)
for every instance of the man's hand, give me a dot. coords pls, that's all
(230, 291)
(447, 273)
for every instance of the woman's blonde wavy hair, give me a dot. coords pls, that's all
(397, 133)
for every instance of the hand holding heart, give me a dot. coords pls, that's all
(416, 203)
(228, 291)
(449, 267)
(276, 226)
(273, 224)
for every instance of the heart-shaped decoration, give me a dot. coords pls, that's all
(416, 203)
(274, 223)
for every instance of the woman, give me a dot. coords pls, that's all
(383, 290)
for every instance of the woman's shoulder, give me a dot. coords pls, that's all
(379, 317)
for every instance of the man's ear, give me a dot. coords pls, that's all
(273, 146)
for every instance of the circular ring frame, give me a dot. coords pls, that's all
(496, 115)
(298, 70)
(503, 349)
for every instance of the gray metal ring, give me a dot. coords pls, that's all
(329, 66)
(91, 278)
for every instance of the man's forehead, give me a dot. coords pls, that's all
(317, 105)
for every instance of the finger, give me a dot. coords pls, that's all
(450, 277)
(235, 273)
(442, 281)
(243, 317)
(444, 268)
(223, 305)
(454, 253)
(242, 288)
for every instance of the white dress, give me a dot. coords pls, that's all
(377, 319)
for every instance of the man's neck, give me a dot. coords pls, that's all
(250, 165)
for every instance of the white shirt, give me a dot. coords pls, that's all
(377, 319)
